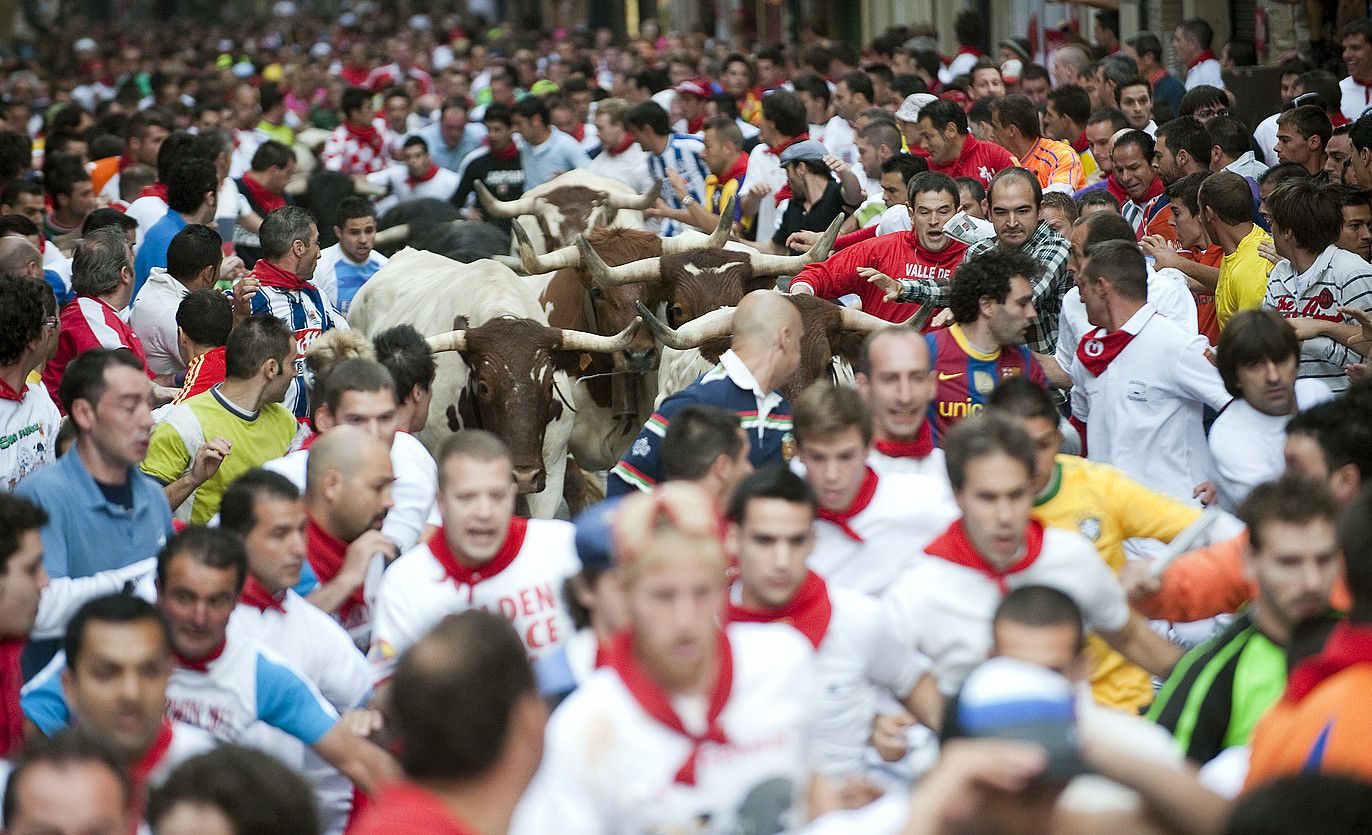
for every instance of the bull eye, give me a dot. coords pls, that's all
(483, 389)
(597, 293)
(675, 316)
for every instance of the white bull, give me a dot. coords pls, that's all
(570, 204)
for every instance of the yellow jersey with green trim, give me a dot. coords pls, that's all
(1107, 507)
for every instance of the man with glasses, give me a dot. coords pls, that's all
(28, 418)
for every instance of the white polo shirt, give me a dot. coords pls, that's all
(1205, 72)
(1356, 100)
(943, 609)
(1246, 446)
(153, 318)
(1143, 414)
(892, 518)
(608, 766)
(523, 582)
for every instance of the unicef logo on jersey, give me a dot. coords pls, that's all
(1093, 348)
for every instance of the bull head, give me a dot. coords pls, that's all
(507, 208)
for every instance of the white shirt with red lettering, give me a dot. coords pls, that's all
(883, 532)
(523, 582)
(609, 766)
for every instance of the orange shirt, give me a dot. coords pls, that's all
(1054, 163)
(1207, 320)
(102, 171)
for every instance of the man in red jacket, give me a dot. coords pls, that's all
(924, 252)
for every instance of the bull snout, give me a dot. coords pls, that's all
(644, 359)
(530, 479)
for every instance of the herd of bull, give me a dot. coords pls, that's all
(557, 361)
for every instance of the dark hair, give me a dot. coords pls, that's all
(405, 354)
(282, 228)
(1105, 226)
(1230, 134)
(1073, 102)
(1016, 173)
(1118, 121)
(84, 377)
(1292, 499)
(1227, 194)
(882, 133)
(1343, 432)
(1147, 43)
(498, 112)
(206, 316)
(1121, 263)
(968, 28)
(416, 139)
(1119, 69)
(142, 121)
(1348, 196)
(1199, 30)
(648, 114)
(1202, 95)
(1186, 133)
(108, 218)
(9, 195)
(987, 276)
(253, 341)
(16, 153)
(61, 173)
(353, 98)
(859, 83)
(1283, 173)
(725, 128)
(354, 207)
(113, 608)
(1355, 535)
(69, 748)
(16, 224)
(1097, 197)
(272, 154)
(238, 508)
(1034, 72)
(973, 185)
(908, 166)
(192, 250)
(773, 482)
(1017, 111)
(1040, 605)
(255, 791)
(18, 516)
(1250, 337)
(1139, 140)
(981, 435)
(1309, 210)
(942, 113)
(210, 547)
(351, 374)
(695, 438)
(1325, 87)
(933, 181)
(178, 146)
(981, 110)
(785, 110)
(1285, 805)
(454, 693)
(1361, 26)
(1308, 120)
(824, 410)
(816, 87)
(1186, 190)
(1020, 397)
(21, 315)
(531, 106)
(1063, 203)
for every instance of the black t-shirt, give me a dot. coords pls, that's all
(120, 494)
(817, 219)
(503, 177)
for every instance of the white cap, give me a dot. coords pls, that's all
(913, 104)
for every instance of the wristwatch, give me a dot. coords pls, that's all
(687, 201)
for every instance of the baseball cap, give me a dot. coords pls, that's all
(594, 544)
(913, 104)
(1005, 698)
(807, 149)
(695, 87)
(543, 87)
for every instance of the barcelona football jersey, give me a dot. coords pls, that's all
(966, 376)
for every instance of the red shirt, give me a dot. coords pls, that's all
(204, 373)
(898, 255)
(1207, 321)
(86, 323)
(405, 807)
(979, 160)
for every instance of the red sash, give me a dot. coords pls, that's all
(809, 610)
(7, 392)
(273, 276)
(267, 200)
(326, 555)
(427, 176)
(256, 595)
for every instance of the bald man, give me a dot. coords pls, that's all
(347, 495)
(764, 352)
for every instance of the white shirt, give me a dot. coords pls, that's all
(629, 168)
(414, 491)
(28, 435)
(765, 167)
(943, 610)
(904, 514)
(1206, 72)
(1248, 165)
(154, 320)
(1151, 128)
(1143, 414)
(147, 211)
(609, 767)
(1266, 135)
(396, 178)
(339, 277)
(932, 465)
(894, 219)
(1357, 98)
(526, 587)
(841, 139)
(1246, 445)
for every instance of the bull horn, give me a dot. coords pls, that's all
(694, 333)
(504, 208)
(514, 264)
(646, 269)
(597, 344)
(617, 200)
(366, 188)
(450, 341)
(717, 238)
(851, 319)
(920, 317)
(397, 234)
(766, 264)
(534, 264)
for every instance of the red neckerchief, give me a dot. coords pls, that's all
(158, 190)
(427, 176)
(736, 171)
(267, 200)
(510, 152)
(200, 665)
(7, 392)
(367, 136)
(808, 610)
(326, 554)
(955, 547)
(143, 769)
(783, 194)
(1098, 349)
(624, 145)
(776, 152)
(1200, 59)
(11, 679)
(579, 132)
(271, 275)
(256, 595)
(469, 577)
(658, 704)
(1348, 644)
(125, 160)
(1082, 143)
(861, 499)
(919, 448)
(1116, 190)
(602, 654)
(695, 125)
(1337, 119)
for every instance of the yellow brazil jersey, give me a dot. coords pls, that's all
(1107, 507)
(1243, 277)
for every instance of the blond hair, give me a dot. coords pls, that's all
(675, 523)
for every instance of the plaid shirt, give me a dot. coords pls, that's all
(1046, 247)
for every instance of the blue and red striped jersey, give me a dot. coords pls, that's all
(966, 376)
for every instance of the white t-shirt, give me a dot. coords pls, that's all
(153, 318)
(28, 435)
(944, 609)
(1357, 98)
(147, 211)
(1266, 135)
(841, 139)
(932, 465)
(765, 167)
(414, 491)
(523, 582)
(629, 167)
(1246, 446)
(1206, 72)
(610, 767)
(396, 178)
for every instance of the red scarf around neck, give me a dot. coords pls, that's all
(143, 769)
(256, 595)
(696, 125)
(1348, 644)
(658, 704)
(624, 145)
(1113, 186)
(326, 555)
(956, 547)
(736, 171)
(425, 177)
(7, 392)
(1098, 349)
(273, 276)
(267, 200)
(158, 190)
(776, 152)
(1082, 145)
(809, 610)
(11, 679)
(510, 151)
(861, 499)
(919, 448)
(469, 576)
(367, 136)
(1200, 59)
(200, 665)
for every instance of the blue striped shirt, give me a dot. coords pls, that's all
(684, 154)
